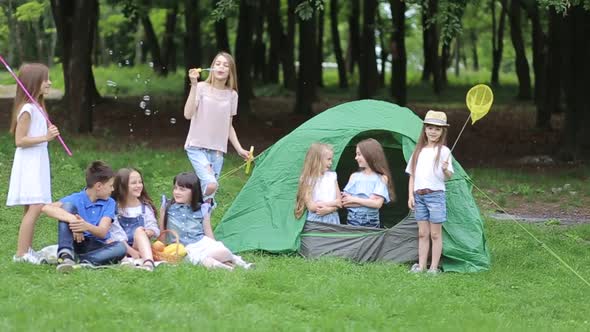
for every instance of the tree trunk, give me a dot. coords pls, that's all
(576, 52)
(522, 64)
(168, 45)
(244, 56)
(384, 47)
(76, 22)
(398, 52)
(306, 82)
(473, 37)
(221, 36)
(553, 86)
(288, 49)
(457, 56)
(153, 44)
(497, 40)
(342, 79)
(367, 60)
(426, 43)
(539, 66)
(354, 45)
(320, 48)
(259, 50)
(275, 30)
(192, 39)
(445, 61)
(433, 40)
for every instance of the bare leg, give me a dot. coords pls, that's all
(436, 236)
(212, 263)
(211, 187)
(423, 243)
(141, 242)
(27, 228)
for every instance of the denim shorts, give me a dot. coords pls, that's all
(202, 159)
(431, 207)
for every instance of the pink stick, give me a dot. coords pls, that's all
(34, 102)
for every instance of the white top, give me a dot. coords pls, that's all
(427, 175)
(149, 220)
(211, 120)
(325, 188)
(30, 179)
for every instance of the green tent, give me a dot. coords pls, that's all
(261, 216)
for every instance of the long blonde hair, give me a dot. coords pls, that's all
(32, 76)
(374, 155)
(232, 80)
(313, 169)
(423, 141)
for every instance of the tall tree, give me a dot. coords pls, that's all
(473, 39)
(168, 45)
(522, 64)
(342, 79)
(275, 30)
(354, 37)
(497, 40)
(152, 41)
(432, 45)
(244, 55)
(368, 76)
(553, 86)
(320, 49)
(307, 79)
(221, 35)
(76, 22)
(426, 42)
(192, 39)
(259, 47)
(288, 48)
(398, 52)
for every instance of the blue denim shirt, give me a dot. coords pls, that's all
(186, 222)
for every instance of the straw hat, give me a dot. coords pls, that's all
(436, 118)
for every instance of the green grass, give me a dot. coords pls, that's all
(526, 289)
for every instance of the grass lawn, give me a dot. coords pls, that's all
(526, 288)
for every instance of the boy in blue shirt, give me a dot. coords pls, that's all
(84, 222)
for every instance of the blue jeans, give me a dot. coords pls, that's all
(361, 216)
(207, 164)
(90, 250)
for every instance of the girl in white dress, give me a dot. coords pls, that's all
(318, 186)
(30, 184)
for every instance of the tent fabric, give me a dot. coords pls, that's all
(261, 216)
(397, 244)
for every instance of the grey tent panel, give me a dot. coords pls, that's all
(397, 244)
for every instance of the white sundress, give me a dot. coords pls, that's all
(30, 179)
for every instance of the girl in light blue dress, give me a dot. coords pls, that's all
(318, 186)
(368, 188)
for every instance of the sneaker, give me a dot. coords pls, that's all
(416, 269)
(433, 272)
(242, 263)
(128, 262)
(65, 264)
(147, 265)
(30, 257)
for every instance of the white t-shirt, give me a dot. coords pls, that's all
(325, 188)
(427, 176)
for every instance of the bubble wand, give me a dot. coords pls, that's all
(34, 102)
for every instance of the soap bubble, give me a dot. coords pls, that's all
(142, 104)
(148, 112)
(146, 98)
(172, 120)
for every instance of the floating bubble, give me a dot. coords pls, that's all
(116, 97)
(142, 104)
(147, 112)
(110, 52)
(141, 42)
(172, 120)
(151, 64)
(146, 98)
(111, 83)
(120, 64)
(127, 62)
(130, 130)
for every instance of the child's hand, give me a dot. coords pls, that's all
(411, 202)
(52, 132)
(323, 210)
(445, 165)
(193, 75)
(78, 225)
(244, 154)
(348, 199)
(78, 237)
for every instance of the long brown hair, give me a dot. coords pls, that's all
(374, 155)
(313, 169)
(32, 76)
(232, 80)
(121, 189)
(423, 142)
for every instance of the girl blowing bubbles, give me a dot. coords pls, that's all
(370, 187)
(318, 186)
(429, 166)
(30, 179)
(135, 220)
(211, 106)
(189, 218)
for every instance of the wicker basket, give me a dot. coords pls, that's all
(170, 258)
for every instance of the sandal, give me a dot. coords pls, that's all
(147, 265)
